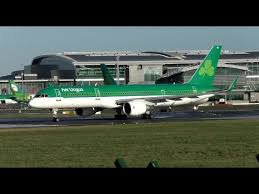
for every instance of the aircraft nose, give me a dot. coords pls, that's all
(32, 103)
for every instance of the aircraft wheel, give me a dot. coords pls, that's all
(146, 116)
(119, 111)
(55, 119)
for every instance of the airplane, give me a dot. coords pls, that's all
(15, 97)
(133, 100)
(7, 99)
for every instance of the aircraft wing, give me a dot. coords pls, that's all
(163, 98)
(155, 99)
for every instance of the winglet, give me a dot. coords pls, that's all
(233, 85)
(108, 79)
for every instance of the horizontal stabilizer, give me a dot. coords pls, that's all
(233, 85)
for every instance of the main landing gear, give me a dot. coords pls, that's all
(55, 115)
(119, 115)
(146, 116)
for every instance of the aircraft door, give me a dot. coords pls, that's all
(194, 89)
(58, 94)
(163, 92)
(97, 93)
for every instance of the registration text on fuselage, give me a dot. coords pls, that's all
(72, 89)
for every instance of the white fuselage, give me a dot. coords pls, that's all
(106, 102)
(7, 101)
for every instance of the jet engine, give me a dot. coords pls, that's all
(135, 108)
(84, 112)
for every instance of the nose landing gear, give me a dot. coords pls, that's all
(55, 115)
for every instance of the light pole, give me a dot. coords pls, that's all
(118, 70)
(22, 76)
(22, 89)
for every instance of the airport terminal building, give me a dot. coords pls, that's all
(76, 68)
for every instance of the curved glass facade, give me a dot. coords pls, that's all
(47, 67)
(94, 71)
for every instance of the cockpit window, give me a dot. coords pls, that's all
(41, 95)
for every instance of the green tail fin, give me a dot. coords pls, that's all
(14, 88)
(18, 95)
(205, 74)
(108, 79)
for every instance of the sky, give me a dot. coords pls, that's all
(19, 45)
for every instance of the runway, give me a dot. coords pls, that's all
(184, 116)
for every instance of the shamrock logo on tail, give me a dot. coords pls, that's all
(207, 69)
(14, 88)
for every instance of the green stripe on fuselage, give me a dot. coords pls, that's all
(4, 97)
(125, 90)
